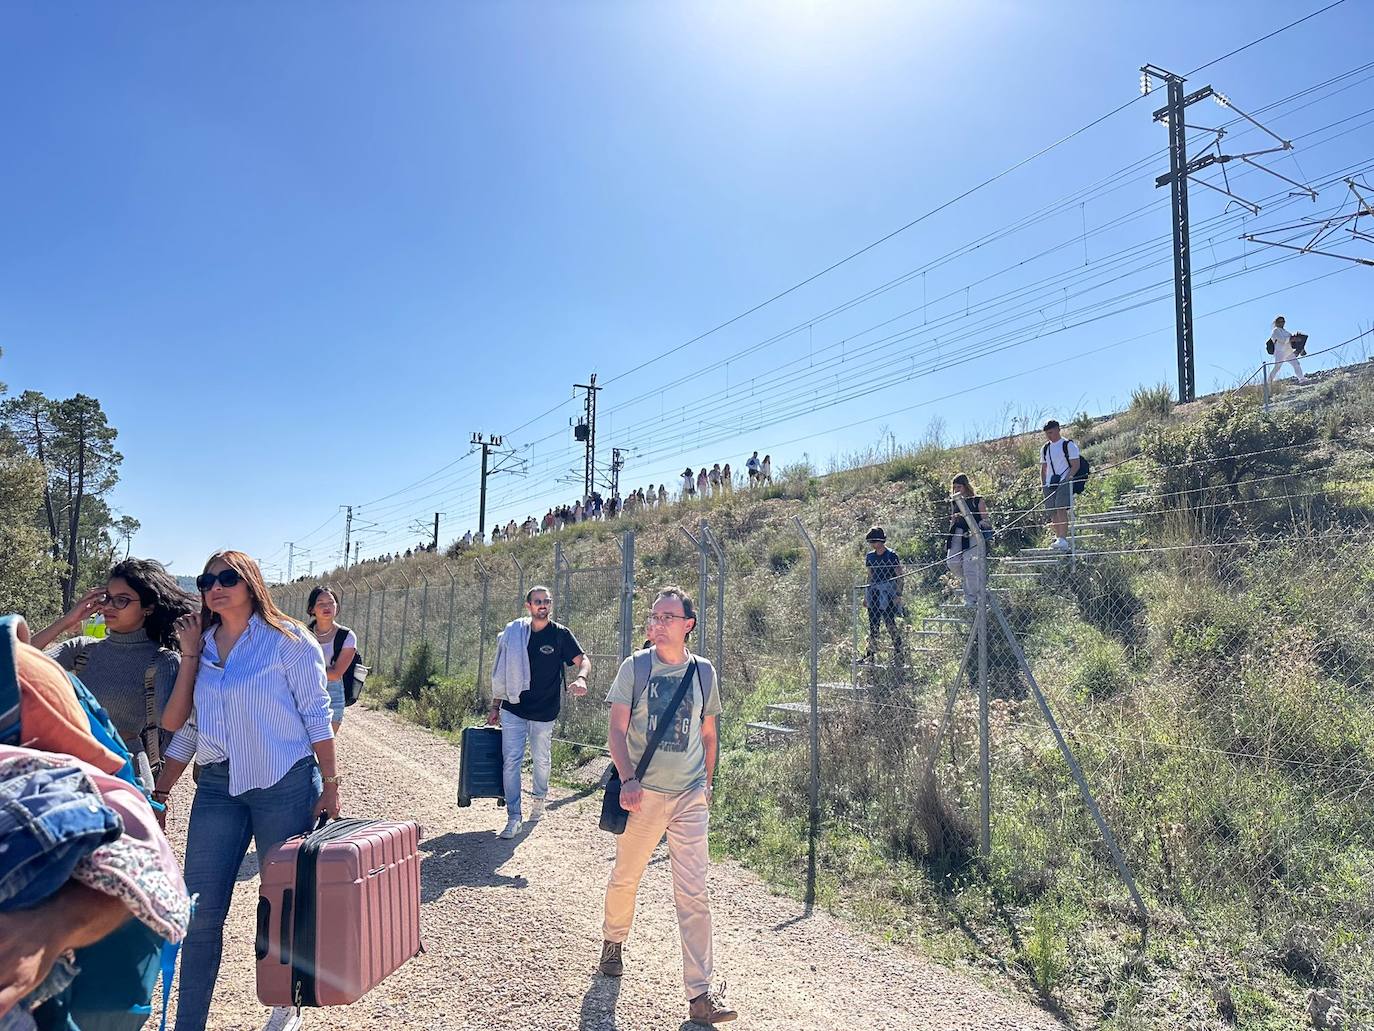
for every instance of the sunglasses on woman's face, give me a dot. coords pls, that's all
(116, 601)
(226, 577)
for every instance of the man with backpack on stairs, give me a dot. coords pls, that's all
(1063, 473)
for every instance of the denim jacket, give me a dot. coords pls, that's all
(49, 821)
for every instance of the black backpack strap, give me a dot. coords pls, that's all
(340, 636)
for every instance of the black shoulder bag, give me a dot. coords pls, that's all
(613, 815)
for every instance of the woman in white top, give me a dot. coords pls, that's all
(255, 717)
(766, 470)
(338, 643)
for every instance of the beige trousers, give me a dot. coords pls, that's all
(685, 818)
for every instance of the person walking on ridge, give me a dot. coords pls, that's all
(526, 695)
(1284, 351)
(674, 796)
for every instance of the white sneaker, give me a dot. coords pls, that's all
(511, 829)
(1061, 544)
(284, 1018)
(536, 812)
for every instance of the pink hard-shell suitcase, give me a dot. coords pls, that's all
(338, 911)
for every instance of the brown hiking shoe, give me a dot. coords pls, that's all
(611, 963)
(709, 1008)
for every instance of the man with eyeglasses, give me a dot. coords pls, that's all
(674, 796)
(526, 695)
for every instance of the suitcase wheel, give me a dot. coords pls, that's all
(463, 802)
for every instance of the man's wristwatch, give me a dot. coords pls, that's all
(332, 780)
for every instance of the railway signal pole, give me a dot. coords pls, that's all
(586, 431)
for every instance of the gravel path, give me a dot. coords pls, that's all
(512, 929)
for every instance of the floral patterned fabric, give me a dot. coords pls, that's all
(139, 868)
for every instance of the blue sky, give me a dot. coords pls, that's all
(302, 251)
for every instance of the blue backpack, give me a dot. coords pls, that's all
(120, 971)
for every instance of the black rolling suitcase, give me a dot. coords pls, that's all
(479, 766)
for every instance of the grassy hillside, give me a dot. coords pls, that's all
(1211, 664)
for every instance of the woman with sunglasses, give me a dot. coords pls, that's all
(139, 656)
(262, 738)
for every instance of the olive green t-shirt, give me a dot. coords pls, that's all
(680, 763)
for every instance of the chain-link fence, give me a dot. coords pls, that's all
(1145, 739)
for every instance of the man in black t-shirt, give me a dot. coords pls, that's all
(531, 703)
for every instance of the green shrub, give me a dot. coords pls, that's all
(1103, 671)
(1156, 402)
(784, 556)
(448, 703)
(420, 670)
(1044, 954)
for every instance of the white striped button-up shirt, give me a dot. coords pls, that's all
(262, 709)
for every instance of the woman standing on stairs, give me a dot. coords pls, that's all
(132, 669)
(971, 569)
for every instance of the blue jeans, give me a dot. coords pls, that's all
(216, 842)
(514, 733)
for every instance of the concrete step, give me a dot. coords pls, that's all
(842, 688)
(946, 619)
(772, 732)
(795, 708)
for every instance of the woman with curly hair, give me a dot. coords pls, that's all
(132, 669)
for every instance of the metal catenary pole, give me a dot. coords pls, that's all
(815, 677)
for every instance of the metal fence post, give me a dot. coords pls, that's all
(424, 607)
(1076, 772)
(627, 592)
(558, 561)
(712, 540)
(704, 591)
(854, 621)
(815, 688)
(482, 623)
(448, 637)
(975, 535)
(1264, 383)
(405, 621)
(381, 628)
